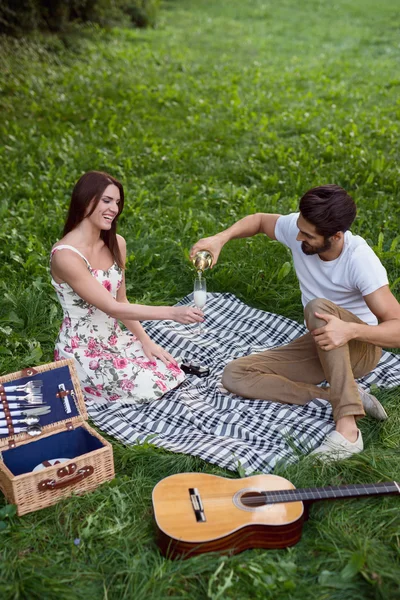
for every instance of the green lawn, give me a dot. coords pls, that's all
(227, 108)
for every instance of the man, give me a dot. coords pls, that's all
(345, 293)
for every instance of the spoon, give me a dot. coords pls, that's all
(28, 420)
(32, 430)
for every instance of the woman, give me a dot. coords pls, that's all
(87, 267)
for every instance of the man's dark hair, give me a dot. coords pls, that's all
(329, 208)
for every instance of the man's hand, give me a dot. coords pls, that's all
(213, 244)
(246, 227)
(153, 351)
(334, 334)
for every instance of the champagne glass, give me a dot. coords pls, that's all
(200, 297)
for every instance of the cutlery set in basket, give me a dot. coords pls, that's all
(27, 409)
(47, 450)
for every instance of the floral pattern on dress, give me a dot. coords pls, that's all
(110, 361)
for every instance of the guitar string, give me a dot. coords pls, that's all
(303, 494)
(334, 492)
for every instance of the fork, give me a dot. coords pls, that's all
(29, 398)
(31, 387)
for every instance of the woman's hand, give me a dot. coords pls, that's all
(153, 351)
(213, 244)
(187, 314)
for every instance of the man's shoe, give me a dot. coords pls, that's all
(337, 447)
(371, 405)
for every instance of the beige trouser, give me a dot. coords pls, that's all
(290, 373)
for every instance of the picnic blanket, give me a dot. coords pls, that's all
(201, 419)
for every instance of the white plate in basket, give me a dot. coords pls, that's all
(49, 463)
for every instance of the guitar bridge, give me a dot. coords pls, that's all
(197, 505)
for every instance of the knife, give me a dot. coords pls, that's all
(40, 410)
(21, 405)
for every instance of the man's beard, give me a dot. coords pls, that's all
(309, 250)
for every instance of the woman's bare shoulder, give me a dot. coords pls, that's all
(122, 247)
(64, 241)
(72, 255)
(121, 241)
(68, 263)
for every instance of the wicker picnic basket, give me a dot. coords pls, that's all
(30, 474)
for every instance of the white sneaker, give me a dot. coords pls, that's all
(337, 447)
(371, 405)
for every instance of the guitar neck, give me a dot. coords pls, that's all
(331, 492)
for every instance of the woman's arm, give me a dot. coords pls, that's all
(133, 326)
(150, 348)
(70, 268)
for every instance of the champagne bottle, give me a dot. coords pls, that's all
(202, 260)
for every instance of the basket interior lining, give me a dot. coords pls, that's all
(66, 444)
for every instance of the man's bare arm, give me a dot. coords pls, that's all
(386, 308)
(246, 227)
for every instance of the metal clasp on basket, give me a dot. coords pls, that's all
(67, 470)
(28, 372)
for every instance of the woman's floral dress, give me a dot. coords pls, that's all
(110, 362)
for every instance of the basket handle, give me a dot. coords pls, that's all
(52, 484)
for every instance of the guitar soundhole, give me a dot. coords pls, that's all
(250, 499)
(253, 499)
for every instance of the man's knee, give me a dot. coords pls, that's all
(232, 375)
(319, 305)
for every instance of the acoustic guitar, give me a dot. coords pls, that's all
(197, 512)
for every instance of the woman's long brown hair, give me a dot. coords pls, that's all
(90, 187)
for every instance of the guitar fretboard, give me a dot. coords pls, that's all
(335, 491)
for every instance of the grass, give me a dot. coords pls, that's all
(224, 110)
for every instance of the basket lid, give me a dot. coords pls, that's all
(61, 392)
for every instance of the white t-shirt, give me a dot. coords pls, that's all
(345, 280)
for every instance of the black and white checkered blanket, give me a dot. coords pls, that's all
(199, 418)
